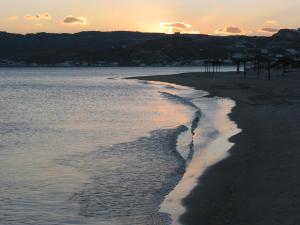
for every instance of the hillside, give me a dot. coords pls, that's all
(136, 49)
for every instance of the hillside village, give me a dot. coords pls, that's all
(142, 49)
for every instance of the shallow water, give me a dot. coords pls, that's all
(211, 144)
(79, 148)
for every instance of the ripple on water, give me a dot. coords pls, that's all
(133, 180)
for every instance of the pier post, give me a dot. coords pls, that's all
(258, 69)
(269, 70)
(245, 68)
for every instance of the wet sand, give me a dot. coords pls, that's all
(259, 184)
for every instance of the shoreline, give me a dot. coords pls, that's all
(258, 183)
(206, 152)
(211, 131)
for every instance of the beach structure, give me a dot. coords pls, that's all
(260, 63)
(259, 60)
(212, 66)
(285, 63)
(240, 59)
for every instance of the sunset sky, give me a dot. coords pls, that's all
(222, 17)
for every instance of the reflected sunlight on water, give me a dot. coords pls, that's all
(77, 148)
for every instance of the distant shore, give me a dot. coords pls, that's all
(259, 183)
(112, 65)
(125, 48)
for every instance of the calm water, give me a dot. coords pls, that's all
(79, 148)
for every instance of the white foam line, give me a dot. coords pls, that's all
(206, 154)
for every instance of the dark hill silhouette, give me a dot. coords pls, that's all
(287, 35)
(132, 48)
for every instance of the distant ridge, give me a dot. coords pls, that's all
(287, 35)
(124, 48)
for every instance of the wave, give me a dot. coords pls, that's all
(194, 121)
(179, 99)
(128, 181)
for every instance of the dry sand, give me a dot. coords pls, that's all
(259, 184)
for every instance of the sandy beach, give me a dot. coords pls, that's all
(259, 183)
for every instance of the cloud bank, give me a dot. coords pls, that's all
(231, 30)
(180, 27)
(73, 20)
(269, 30)
(41, 16)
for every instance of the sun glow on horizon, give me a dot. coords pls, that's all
(171, 16)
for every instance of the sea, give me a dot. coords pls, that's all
(87, 146)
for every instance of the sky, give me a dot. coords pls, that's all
(217, 17)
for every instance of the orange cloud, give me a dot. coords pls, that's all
(269, 30)
(181, 27)
(231, 30)
(41, 16)
(73, 20)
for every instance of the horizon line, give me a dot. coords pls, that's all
(147, 32)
